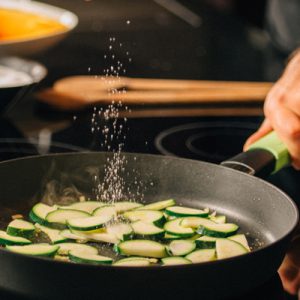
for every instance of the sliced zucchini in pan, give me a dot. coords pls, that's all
(160, 205)
(39, 212)
(141, 248)
(89, 223)
(68, 234)
(148, 216)
(53, 234)
(21, 228)
(35, 249)
(105, 211)
(226, 248)
(59, 217)
(195, 222)
(181, 247)
(240, 238)
(218, 219)
(121, 231)
(169, 236)
(174, 227)
(6, 239)
(206, 242)
(87, 206)
(175, 260)
(83, 257)
(179, 211)
(65, 248)
(103, 237)
(218, 230)
(202, 255)
(133, 262)
(147, 230)
(126, 206)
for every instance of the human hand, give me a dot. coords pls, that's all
(289, 270)
(282, 111)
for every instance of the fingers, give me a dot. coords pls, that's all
(285, 122)
(282, 111)
(290, 276)
(262, 131)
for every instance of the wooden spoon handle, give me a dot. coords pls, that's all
(88, 83)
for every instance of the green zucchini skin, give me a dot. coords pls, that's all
(35, 249)
(181, 247)
(16, 228)
(206, 242)
(179, 211)
(6, 239)
(173, 227)
(39, 212)
(217, 230)
(81, 257)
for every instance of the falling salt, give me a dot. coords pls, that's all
(128, 22)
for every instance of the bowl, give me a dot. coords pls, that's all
(34, 43)
(17, 77)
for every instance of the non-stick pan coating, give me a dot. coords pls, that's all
(262, 211)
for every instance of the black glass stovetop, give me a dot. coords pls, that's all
(212, 139)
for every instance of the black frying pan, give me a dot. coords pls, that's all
(262, 210)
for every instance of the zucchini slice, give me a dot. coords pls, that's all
(87, 206)
(35, 249)
(60, 216)
(103, 237)
(206, 242)
(66, 233)
(148, 216)
(195, 222)
(141, 248)
(181, 247)
(65, 248)
(180, 211)
(21, 228)
(39, 212)
(226, 248)
(218, 230)
(240, 238)
(175, 260)
(105, 211)
(202, 255)
(133, 262)
(160, 205)
(6, 239)
(53, 234)
(121, 231)
(218, 219)
(89, 223)
(83, 257)
(174, 227)
(147, 230)
(171, 237)
(126, 206)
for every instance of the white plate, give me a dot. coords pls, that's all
(30, 46)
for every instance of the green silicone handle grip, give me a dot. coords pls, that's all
(273, 144)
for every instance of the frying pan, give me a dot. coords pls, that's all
(262, 211)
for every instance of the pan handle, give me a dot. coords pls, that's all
(266, 156)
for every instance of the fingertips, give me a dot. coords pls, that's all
(262, 131)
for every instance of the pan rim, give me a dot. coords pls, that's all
(143, 268)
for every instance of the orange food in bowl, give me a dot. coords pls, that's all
(15, 25)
